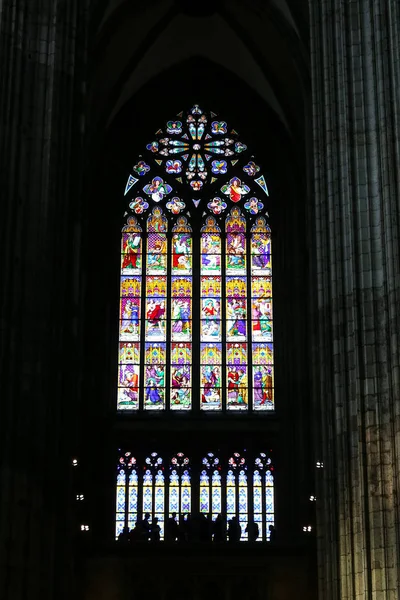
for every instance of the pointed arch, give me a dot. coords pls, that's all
(198, 220)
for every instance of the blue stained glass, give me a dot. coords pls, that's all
(269, 521)
(133, 499)
(174, 499)
(204, 500)
(230, 478)
(242, 478)
(204, 491)
(185, 499)
(160, 499)
(243, 524)
(269, 479)
(257, 500)
(147, 500)
(159, 478)
(257, 478)
(216, 492)
(121, 477)
(133, 478)
(230, 501)
(243, 500)
(269, 500)
(258, 520)
(204, 480)
(147, 492)
(119, 525)
(216, 478)
(174, 479)
(121, 499)
(147, 478)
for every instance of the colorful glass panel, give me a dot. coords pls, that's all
(258, 504)
(196, 150)
(236, 312)
(185, 493)
(216, 496)
(159, 501)
(148, 492)
(129, 329)
(269, 501)
(120, 502)
(155, 312)
(261, 315)
(243, 503)
(132, 499)
(181, 317)
(211, 323)
(204, 492)
(230, 495)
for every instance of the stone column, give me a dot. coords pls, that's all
(42, 65)
(355, 48)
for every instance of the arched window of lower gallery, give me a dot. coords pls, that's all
(225, 499)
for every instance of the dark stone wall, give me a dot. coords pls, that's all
(42, 66)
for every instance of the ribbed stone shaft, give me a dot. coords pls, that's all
(41, 62)
(356, 122)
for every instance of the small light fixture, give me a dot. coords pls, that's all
(313, 498)
(74, 462)
(80, 497)
(320, 465)
(84, 527)
(307, 528)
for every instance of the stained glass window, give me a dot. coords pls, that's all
(210, 327)
(238, 488)
(210, 486)
(155, 312)
(261, 306)
(236, 312)
(181, 316)
(180, 485)
(197, 220)
(127, 493)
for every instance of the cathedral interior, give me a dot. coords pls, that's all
(152, 383)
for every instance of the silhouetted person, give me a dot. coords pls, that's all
(252, 530)
(189, 528)
(124, 535)
(234, 530)
(218, 530)
(171, 529)
(145, 525)
(272, 533)
(204, 529)
(195, 528)
(182, 529)
(135, 533)
(155, 530)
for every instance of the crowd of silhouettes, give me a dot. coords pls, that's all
(192, 528)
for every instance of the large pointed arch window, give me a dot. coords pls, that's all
(196, 278)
